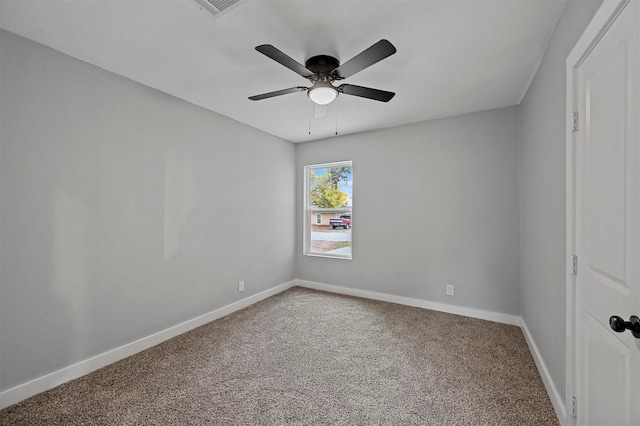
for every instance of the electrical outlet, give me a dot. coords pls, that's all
(449, 289)
(240, 286)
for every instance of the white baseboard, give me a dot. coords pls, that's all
(418, 303)
(51, 380)
(557, 400)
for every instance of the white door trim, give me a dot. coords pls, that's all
(602, 20)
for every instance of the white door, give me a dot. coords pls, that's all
(608, 225)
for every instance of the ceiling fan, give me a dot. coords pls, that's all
(323, 70)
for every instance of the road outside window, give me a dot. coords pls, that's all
(328, 209)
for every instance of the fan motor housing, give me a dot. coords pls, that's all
(322, 64)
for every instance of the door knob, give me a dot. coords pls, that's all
(619, 325)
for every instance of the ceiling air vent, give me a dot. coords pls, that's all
(216, 7)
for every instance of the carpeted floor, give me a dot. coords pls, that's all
(306, 357)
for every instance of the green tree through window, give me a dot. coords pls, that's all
(324, 190)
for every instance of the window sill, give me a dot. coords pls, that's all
(330, 256)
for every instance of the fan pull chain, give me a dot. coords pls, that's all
(309, 113)
(337, 116)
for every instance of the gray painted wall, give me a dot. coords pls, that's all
(542, 193)
(124, 211)
(435, 203)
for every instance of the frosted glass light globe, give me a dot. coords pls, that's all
(323, 94)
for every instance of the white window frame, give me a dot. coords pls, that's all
(308, 211)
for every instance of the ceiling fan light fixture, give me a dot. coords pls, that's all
(322, 93)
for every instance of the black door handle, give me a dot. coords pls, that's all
(619, 325)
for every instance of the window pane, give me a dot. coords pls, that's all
(329, 206)
(333, 236)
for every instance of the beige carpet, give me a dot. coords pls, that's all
(305, 357)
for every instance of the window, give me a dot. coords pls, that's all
(328, 207)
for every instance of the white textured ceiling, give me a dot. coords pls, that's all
(453, 56)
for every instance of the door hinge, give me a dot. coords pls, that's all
(574, 121)
(574, 265)
(574, 406)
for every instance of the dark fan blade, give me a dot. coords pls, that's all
(278, 56)
(278, 93)
(368, 57)
(366, 92)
